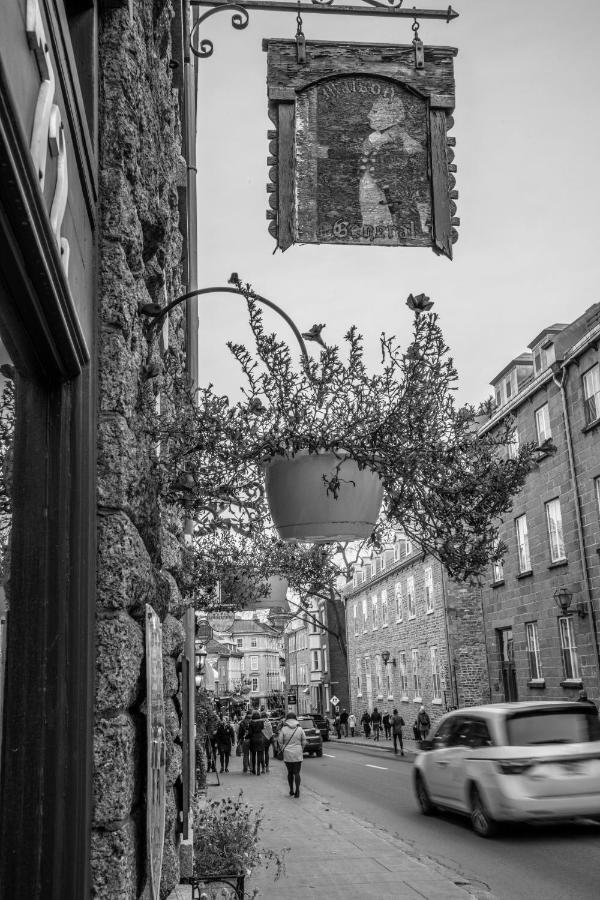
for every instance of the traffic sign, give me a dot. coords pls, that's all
(334, 701)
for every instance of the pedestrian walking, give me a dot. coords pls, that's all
(344, 722)
(268, 733)
(257, 744)
(292, 740)
(376, 723)
(244, 739)
(352, 724)
(386, 725)
(224, 738)
(365, 721)
(337, 725)
(397, 723)
(423, 723)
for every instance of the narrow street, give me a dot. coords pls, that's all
(551, 862)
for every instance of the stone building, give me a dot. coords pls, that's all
(97, 208)
(259, 644)
(538, 648)
(402, 603)
(316, 659)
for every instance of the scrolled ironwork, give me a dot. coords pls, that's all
(239, 20)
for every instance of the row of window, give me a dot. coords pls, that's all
(379, 616)
(568, 649)
(371, 568)
(409, 682)
(591, 407)
(556, 543)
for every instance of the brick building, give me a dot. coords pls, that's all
(316, 657)
(403, 604)
(260, 646)
(536, 648)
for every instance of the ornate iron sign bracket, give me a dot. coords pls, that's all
(240, 14)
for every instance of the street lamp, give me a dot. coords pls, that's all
(200, 655)
(563, 598)
(385, 655)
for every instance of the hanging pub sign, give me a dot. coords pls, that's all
(360, 153)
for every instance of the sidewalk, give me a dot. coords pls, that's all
(333, 853)
(411, 747)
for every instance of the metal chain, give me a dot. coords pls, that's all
(299, 22)
(415, 27)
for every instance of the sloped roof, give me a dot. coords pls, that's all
(251, 626)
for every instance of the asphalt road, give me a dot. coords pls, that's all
(541, 862)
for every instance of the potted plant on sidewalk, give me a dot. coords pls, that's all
(228, 847)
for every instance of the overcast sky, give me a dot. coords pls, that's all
(527, 128)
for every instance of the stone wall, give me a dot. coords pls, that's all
(139, 259)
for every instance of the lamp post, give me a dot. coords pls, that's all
(563, 598)
(200, 655)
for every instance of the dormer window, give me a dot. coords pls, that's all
(543, 356)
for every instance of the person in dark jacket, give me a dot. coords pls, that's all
(344, 722)
(257, 744)
(244, 739)
(225, 736)
(423, 723)
(376, 723)
(365, 721)
(386, 725)
(396, 726)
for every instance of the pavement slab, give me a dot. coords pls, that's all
(332, 853)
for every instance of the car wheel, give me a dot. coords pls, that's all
(319, 753)
(481, 820)
(423, 798)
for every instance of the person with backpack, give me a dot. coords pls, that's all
(396, 725)
(244, 740)
(268, 733)
(423, 723)
(352, 724)
(257, 744)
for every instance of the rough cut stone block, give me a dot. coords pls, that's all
(119, 374)
(173, 636)
(120, 672)
(114, 863)
(125, 576)
(171, 871)
(114, 769)
(118, 462)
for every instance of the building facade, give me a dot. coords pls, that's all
(316, 657)
(542, 604)
(414, 636)
(261, 667)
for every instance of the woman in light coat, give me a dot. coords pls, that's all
(292, 740)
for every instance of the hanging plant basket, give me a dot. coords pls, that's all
(304, 509)
(276, 596)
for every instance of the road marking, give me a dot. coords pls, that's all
(369, 766)
(330, 755)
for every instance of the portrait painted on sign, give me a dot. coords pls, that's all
(362, 164)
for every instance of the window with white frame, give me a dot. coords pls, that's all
(358, 677)
(429, 589)
(253, 642)
(374, 613)
(378, 679)
(254, 686)
(325, 664)
(365, 612)
(523, 544)
(543, 356)
(384, 609)
(253, 663)
(355, 616)
(533, 651)
(398, 599)
(240, 642)
(368, 682)
(513, 447)
(403, 675)
(410, 597)
(568, 648)
(388, 684)
(368, 569)
(542, 423)
(436, 681)
(316, 662)
(416, 675)
(409, 547)
(597, 486)
(591, 394)
(555, 530)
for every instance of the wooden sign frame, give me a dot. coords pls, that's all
(288, 80)
(156, 752)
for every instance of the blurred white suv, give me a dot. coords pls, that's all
(532, 761)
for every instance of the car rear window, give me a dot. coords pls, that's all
(306, 723)
(568, 726)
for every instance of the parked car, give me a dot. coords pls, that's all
(529, 761)
(314, 741)
(322, 724)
